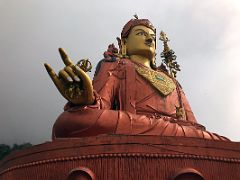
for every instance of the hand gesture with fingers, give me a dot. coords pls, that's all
(72, 82)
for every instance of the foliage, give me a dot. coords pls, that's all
(6, 149)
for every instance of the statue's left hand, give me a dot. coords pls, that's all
(72, 82)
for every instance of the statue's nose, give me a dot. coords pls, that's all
(149, 40)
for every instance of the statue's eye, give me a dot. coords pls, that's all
(141, 34)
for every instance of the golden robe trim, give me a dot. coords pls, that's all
(164, 84)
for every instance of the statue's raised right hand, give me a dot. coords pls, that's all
(72, 82)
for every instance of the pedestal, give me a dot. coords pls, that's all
(122, 157)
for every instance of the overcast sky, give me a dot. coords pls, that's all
(204, 34)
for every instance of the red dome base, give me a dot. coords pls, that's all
(125, 157)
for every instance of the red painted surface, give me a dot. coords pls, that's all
(125, 157)
(140, 109)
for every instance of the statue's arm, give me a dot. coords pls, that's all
(189, 113)
(106, 85)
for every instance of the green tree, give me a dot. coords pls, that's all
(6, 149)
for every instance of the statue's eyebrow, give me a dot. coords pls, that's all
(140, 30)
(144, 31)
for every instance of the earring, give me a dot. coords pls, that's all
(123, 49)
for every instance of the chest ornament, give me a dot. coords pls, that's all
(158, 80)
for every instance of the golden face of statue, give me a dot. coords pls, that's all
(141, 41)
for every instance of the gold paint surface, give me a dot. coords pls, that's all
(164, 84)
(140, 45)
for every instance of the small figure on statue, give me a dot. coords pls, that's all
(111, 53)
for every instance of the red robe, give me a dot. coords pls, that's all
(126, 103)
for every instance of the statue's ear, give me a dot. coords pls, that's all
(119, 42)
(123, 46)
(124, 41)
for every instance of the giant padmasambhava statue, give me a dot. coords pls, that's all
(129, 93)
